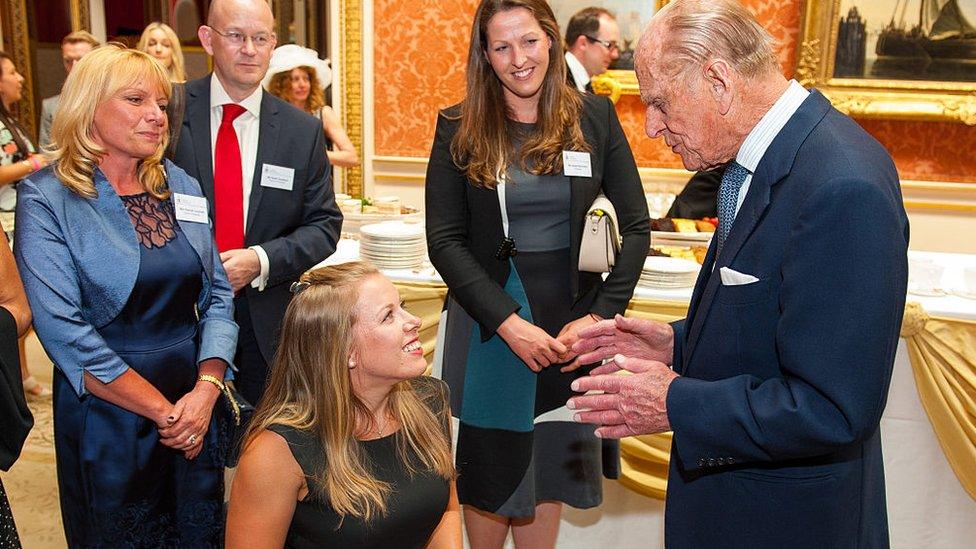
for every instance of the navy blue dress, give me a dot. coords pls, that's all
(119, 487)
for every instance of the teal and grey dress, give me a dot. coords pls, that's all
(517, 444)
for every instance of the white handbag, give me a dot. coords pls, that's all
(601, 239)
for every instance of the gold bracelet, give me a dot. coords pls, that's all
(212, 379)
(226, 390)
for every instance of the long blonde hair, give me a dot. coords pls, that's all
(177, 71)
(97, 77)
(482, 144)
(310, 390)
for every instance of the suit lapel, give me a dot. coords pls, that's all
(197, 120)
(267, 142)
(775, 166)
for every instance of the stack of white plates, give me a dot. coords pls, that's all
(393, 244)
(668, 272)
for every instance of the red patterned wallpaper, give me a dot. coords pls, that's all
(420, 47)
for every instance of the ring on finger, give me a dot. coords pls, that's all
(191, 440)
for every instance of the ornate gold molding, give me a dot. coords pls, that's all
(616, 83)
(351, 52)
(80, 15)
(19, 42)
(917, 100)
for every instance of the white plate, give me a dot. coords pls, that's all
(397, 230)
(670, 265)
(689, 238)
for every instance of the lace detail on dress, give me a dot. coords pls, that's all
(153, 219)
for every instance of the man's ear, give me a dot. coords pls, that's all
(719, 79)
(204, 34)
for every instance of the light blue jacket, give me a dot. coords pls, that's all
(79, 259)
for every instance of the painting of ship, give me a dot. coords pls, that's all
(942, 32)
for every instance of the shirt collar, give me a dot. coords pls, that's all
(219, 97)
(580, 76)
(769, 126)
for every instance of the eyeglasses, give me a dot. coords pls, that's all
(609, 44)
(260, 40)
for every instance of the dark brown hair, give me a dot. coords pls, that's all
(483, 146)
(584, 22)
(17, 131)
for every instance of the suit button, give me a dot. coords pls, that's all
(701, 462)
(720, 461)
(730, 461)
(711, 462)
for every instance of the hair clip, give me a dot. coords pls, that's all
(298, 287)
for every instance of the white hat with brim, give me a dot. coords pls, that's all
(291, 56)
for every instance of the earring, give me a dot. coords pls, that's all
(352, 364)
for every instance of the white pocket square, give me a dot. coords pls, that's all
(731, 277)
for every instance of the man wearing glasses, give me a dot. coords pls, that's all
(592, 43)
(263, 168)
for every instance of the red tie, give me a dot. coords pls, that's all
(229, 183)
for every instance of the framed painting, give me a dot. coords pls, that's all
(631, 16)
(893, 59)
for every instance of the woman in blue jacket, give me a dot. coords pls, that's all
(131, 303)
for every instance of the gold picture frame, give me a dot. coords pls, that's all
(914, 100)
(615, 83)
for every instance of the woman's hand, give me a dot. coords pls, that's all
(570, 335)
(532, 344)
(190, 420)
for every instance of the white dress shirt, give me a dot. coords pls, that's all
(247, 126)
(580, 76)
(762, 135)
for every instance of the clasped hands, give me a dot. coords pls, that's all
(624, 405)
(186, 424)
(537, 348)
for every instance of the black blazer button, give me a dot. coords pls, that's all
(711, 462)
(720, 461)
(701, 462)
(730, 461)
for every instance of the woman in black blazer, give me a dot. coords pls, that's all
(519, 454)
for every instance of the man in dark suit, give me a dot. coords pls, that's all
(781, 369)
(263, 168)
(592, 43)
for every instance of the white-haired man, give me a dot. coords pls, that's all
(779, 374)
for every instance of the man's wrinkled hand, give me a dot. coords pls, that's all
(631, 337)
(242, 266)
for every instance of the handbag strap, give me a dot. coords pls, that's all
(500, 188)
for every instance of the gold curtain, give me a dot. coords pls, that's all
(943, 356)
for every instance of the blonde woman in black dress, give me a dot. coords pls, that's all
(350, 446)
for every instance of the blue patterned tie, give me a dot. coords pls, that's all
(728, 197)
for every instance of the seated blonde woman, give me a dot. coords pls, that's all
(298, 76)
(350, 446)
(160, 41)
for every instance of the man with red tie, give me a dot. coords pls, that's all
(262, 165)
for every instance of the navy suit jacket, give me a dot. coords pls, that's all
(296, 228)
(784, 380)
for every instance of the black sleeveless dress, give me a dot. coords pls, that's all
(414, 509)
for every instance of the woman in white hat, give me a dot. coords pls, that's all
(298, 76)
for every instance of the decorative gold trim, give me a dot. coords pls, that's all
(351, 52)
(21, 53)
(615, 83)
(80, 15)
(392, 176)
(941, 206)
(961, 188)
(873, 98)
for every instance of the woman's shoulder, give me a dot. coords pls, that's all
(180, 181)
(303, 446)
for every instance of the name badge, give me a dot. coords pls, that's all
(190, 208)
(577, 164)
(277, 177)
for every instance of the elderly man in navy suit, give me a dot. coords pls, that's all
(775, 383)
(263, 168)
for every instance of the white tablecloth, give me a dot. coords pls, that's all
(927, 507)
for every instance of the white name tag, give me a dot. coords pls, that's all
(277, 177)
(577, 164)
(190, 208)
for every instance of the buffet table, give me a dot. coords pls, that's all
(928, 502)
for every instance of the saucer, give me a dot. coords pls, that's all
(964, 294)
(927, 292)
